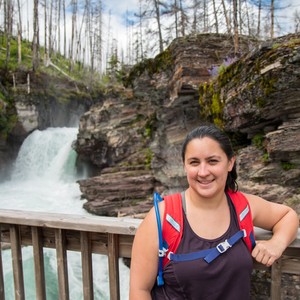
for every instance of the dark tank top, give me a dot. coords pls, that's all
(225, 278)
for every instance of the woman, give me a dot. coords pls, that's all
(209, 219)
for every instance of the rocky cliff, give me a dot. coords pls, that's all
(37, 101)
(134, 137)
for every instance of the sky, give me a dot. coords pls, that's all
(118, 13)
(115, 10)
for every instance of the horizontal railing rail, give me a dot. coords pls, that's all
(88, 235)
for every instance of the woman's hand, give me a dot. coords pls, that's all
(267, 252)
(282, 220)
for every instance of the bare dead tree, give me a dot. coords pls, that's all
(83, 22)
(215, 16)
(8, 26)
(73, 34)
(205, 16)
(159, 28)
(259, 18)
(272, 19)
(183, 18)
(58, 25)
(20, 18)
(235, 26)
(297, 21)
(140, 36)
(96, 51)
(46, 54)
(19, 25)
(35, 41)
(228, 23)
(247, 18)
(50, 32)
(65, 28)
(240, 22)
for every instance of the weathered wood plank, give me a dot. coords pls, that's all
(62, 265)
(98, 240)
(276, 280)
(291, 265)
(38, 257)
(87, 271)
(113, 266)
(16, 253)
(2, 293)
(88, 223)
(91, 234)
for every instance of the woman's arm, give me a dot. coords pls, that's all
(281, 220)
(144, 259)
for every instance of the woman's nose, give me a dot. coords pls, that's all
(203, 170)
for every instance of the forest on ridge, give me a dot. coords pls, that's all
(82, 30)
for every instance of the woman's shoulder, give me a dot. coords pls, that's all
(257, 203)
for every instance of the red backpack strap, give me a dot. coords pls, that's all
(244, 216)
(172, 224)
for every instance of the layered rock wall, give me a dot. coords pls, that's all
(141, 129)
(135, 141)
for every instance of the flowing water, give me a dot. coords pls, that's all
(44, 179)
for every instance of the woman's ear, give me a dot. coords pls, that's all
(231, 163)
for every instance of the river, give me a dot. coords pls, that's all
(44, 179)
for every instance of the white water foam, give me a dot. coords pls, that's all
(44, 179)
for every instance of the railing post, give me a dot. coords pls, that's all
(39, 270)
(62, 264)
(87, 270)
(276, 280)
(16, 252)
(113, 266)
(2, 292)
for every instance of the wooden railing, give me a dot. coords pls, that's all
(87, 235)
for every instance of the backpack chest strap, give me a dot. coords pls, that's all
(209, 254)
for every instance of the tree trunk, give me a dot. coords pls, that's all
(65, 28)
(8, 25)
(176, 18)
(157, 15)
(182, 19)
(258, 18)
(19, 34)
(236, 27)
(216, 17)
(228, 25)
(50, 46)
(58, 26)
(74, 13)
(205, 14)
(35, 42)
(141, 30)
(19, 45)
(272, 18)
(20, 19)
(46, 55)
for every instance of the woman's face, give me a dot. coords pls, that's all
(206, 166)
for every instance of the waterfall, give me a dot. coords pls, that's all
(44, 179)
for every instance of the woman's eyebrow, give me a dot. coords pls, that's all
(214, 156)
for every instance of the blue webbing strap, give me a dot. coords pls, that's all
(252, 238)
(209, 254)
(161, 253)
(223, 247)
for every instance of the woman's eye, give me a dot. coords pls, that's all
(213, 161)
